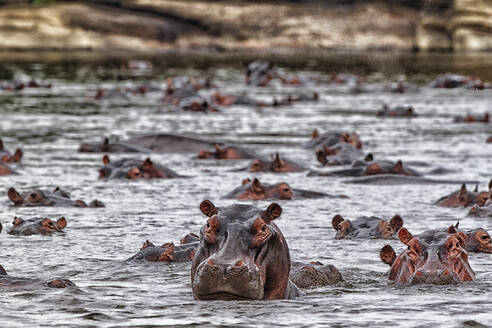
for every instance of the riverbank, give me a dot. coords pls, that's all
(151, 25)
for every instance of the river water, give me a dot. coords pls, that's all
(50, 124)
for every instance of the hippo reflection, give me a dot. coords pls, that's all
(432, 257)
(366, 227)
(42, 226)
(57, 197)
(242, 255)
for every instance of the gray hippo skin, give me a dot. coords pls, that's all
(131, 168)
(432, 257)
(366, 227)
(57, 197)
(42, 226)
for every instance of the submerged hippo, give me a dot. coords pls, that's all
(432, 257)
(398, 111)
(277, 165)
(6, 170)
(7, 157)
(174, 94)
(341, 154)
(242, 255)
(464, 198)
(130, 168)
(255, 190)
(158, 142)
(260, 73)
(332, 138)
(477, 240)
(451, 81)
(366, 227)
(364, 168)
(229, 100)
(469, 118)
(314, 274)
(167, 252)
(57, 197)
(7, 281)
(42, 226)
(227, 152)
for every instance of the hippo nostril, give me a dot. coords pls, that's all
(239, 263)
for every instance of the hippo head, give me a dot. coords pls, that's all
(45, 225)
(242, 254)
(256, 191)
(384, 229)
(352, 138)
(433, 257)
(34, 198)
(477, 240)
(277, 165)
(219, 153)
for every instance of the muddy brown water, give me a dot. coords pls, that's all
(49, 124)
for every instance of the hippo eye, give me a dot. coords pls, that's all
(484, 237)
(286, 189)
(34, 196)
(389, 228)
(264, 228)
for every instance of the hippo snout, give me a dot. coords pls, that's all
(437, 277)
(227, 280)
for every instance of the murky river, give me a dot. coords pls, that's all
(50, 124)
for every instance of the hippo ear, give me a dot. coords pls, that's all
(463, 190)
(106, 160)
(256, 186)
(147, 163)
(321, 156)
(246, 181)
(398, 167)
(218, 149)
(273, 211)
(387, 254)
(476, 188)
(17, 221)
(208, 208)
(106, 142)
(147, 244)
(315, 134)
(461, 236)
(404, 235)
(337, 219)
(17, 155)
(396, 222)
(369, 158)
(452, 229)
(61, 223)
(1, 144)
(14, 196)
(490, 184)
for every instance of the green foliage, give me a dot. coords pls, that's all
(42, 2)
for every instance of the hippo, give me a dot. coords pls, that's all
(451, 81)
(111, 147)
(7, 281)
(167, 252)
(157, 142)
(477, 240)
(277, 165)
(173, 95)
(366, 227)
(400, 87)
(481, 211)
(227, 152)
(130, 168)
(18, 85)
(6, 170)
(41, 226)
(464, 198)
(431, 257)
(195, 104)
(469, 118)
(363, 168)
(489, 139)
(314, 274)
(57, 197)
(111, 94)
(260, 73)
(398, 111)
(242, 255)
(332, 138)
(7, 157)
(229, 100)
(255, 190)
(340, 154)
